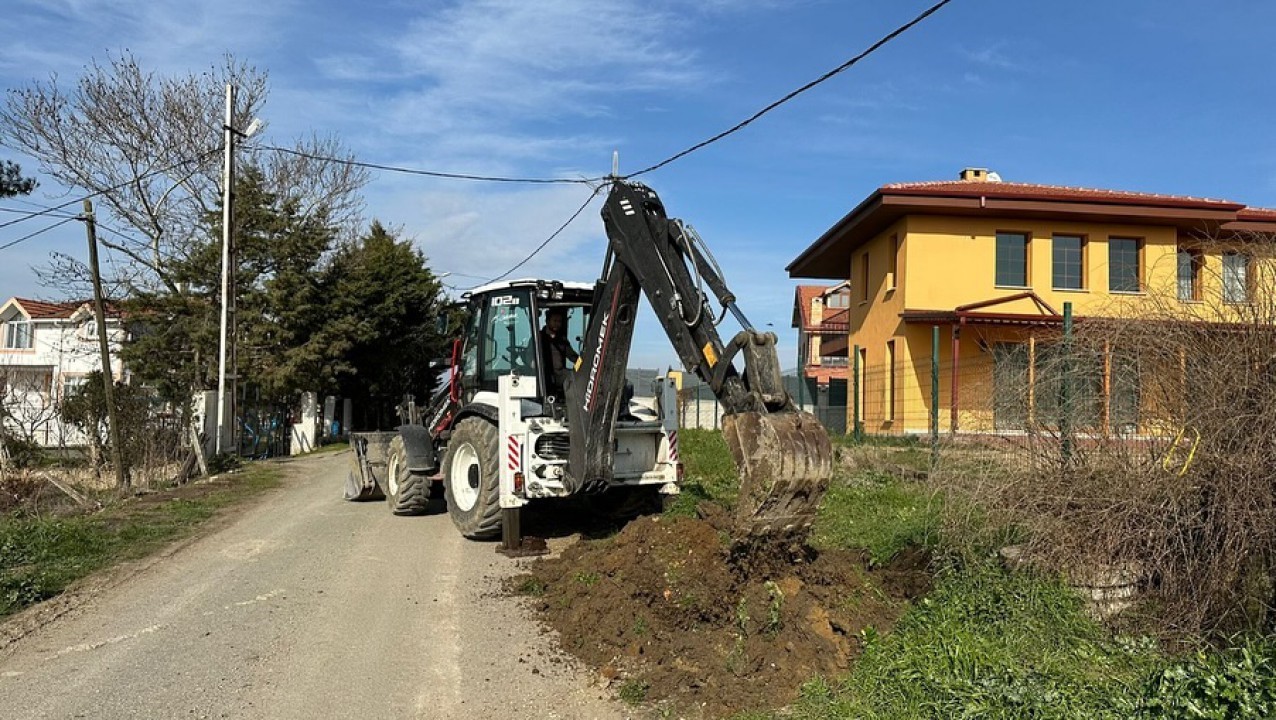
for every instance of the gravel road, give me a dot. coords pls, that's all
(303, 606)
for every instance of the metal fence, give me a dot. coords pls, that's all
(699, 408)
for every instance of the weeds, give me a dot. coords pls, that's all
(531, 586)
(774, 608)
(633, 691)
(989, 644)
(41, 556)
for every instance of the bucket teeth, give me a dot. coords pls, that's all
(785, 461)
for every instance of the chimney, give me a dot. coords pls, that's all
(974, 175)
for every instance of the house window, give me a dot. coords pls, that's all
(1012, 259)
(1190, 263)
(890, 381)
(17, 335)
(864, 278)
(862, 396)
(1068, 262)
(893, 258)
(1124, 393)
(1068, 385)
(839, 299)
(71, 384)
(1010, 386)
(1125, 273)
(1235, 277)
(27, 382)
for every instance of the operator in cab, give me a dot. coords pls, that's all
(556, 352)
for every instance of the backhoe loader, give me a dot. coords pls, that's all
(509, 428)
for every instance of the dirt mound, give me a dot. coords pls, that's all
(670, 612)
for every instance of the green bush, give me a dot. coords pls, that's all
(22, 453)
(1239, 682)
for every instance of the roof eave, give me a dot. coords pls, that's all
(888, 204)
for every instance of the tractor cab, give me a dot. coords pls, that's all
(503, 335)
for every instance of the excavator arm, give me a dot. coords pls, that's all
(783, 454)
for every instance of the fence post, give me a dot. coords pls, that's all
(855, 392)
(934, 396)
(1065, 386)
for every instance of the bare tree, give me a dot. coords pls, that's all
(150, 146)
(28, 403)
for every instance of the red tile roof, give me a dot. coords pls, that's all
(1257, 214)
(41, 310)
(838, 320)
(829, 255)
(964, 188)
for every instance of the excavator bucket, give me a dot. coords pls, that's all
(785, 461)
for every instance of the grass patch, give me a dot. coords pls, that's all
(709, 473)
(878, 513)
(335, 447)
(41, 556)
(989, 644)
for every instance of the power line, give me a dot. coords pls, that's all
(548, 240)
(461, 274)
(38, 232)
(20, 211)
(840, 68)
(113, 188)
(431, 173)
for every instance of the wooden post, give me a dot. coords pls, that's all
(108, 380)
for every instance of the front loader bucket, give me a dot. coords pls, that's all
(785, 461)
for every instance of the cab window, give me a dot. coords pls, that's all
(507, 339)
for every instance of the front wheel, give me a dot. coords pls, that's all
(471, 479)
(406, 493)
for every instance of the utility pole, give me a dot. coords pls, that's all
(108, 380)
(227, 333)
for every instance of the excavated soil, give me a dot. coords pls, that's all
(668, 611)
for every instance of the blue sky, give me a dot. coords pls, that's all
(1157, 96)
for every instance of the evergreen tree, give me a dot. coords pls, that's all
(357, 320)
(382, 304)
(176, 334)
(12, 183)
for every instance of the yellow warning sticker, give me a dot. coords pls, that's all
(710, 355)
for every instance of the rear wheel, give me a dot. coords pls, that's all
(471, 479)
(406, 493)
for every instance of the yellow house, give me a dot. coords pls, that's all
(988, 267)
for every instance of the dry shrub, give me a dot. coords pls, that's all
(1184, 496)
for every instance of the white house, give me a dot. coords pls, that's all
(46, 351)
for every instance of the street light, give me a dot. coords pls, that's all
(226, 341)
